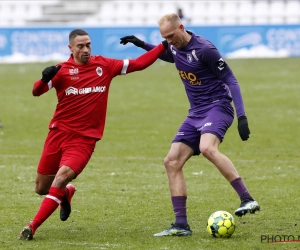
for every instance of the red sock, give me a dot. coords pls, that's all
(48, 206)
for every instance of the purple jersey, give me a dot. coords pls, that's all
(206, 76)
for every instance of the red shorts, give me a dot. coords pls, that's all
(65, 149)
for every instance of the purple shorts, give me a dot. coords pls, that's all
(216, 121)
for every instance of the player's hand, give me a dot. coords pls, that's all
(132, 39)
(49, 72)
(243, 128)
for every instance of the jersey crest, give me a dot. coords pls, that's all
(189, 58)
(99, 71)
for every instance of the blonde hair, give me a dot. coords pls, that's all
(172, 18)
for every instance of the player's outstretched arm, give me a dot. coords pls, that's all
(147, 58)
(146, 46)
(41, 86)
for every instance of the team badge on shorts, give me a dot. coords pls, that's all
(99, 71)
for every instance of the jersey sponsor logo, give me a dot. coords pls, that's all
(92, 89)
(180, 133)
(194, 55)
(75, 91)
(221, 64)
(99, 71)
(189, 58)
(192, 78)
(73, 71)
(71, 90)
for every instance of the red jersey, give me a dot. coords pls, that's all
(82, 91)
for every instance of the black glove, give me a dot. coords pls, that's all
(49, 72)
(165, 44)
(243, 128)
(132, 39)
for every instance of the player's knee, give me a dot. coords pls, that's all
(41, 190)
(172, 164)
(207, 152)
(168, 162)
(43, 183)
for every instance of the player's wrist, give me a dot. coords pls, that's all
(140, 44)
(45, 80)
(243, 117)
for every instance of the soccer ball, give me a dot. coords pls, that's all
(221, 224)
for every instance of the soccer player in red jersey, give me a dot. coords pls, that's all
(82, 84)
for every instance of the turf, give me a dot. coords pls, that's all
(122, 196)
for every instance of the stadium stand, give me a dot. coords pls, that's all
(20, 13)
(146, 13)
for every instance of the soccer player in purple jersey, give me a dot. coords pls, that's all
(210, 86)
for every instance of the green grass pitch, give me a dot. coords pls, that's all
(122, 196)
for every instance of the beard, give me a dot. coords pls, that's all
(85, 58)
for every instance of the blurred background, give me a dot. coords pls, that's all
(38, 30)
